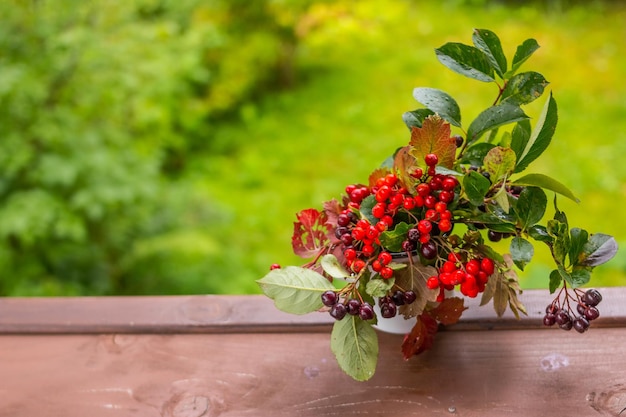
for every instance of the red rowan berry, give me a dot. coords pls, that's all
(430, 201)
(391, 179)
(444, 225)
(377, 265)
(431, 159)
(349, 254)
(417, 173)
(358, 233)
(432, 282)
(472, 267)
(368, 250)
(424, 226)
(449, 184)
(409, 203)
(423, 189)
(386, 272)
(358, 265)
(440, 207)
(385, 258)
(397, 199)
(388, 220)
(487, 266)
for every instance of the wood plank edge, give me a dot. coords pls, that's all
(238, 314)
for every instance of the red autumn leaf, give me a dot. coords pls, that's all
(449, 311)
(332, 209)
(421, 338)
(433, 137)
(310, 233)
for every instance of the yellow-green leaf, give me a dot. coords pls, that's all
(295, 290)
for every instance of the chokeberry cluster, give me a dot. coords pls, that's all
(390, 303)
(559, 312)
(342, 305)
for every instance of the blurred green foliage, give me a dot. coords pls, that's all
(163, 147)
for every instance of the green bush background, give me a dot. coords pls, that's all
(163, 147)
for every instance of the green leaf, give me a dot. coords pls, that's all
(539, 233)
(475, 187)
(378, 287)
(355, 345)
(489, 43)
(600, 248)
(439, 102)
(366, 208)
(499, 163)
(465, 60)
(295, 290)
(492, 118)
(330, 265)
(523, 52)
(392, 239)
(579, 277)
(555, 280)
(415, 118)
(561, 245)
(548, 183)
(531, 206)
(541, 135)
(522, 251)
(524, 88)
(475, 154)
(520, 135)
(578, 239)
(502, 198)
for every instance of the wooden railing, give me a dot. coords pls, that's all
(238, 356)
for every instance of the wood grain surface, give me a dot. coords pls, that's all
(238, 356)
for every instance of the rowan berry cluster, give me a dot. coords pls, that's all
(470, 275)
(560, 312)
(426, 208)
(341, 306)
(360, 239)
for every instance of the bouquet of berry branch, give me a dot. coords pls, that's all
(418, 233)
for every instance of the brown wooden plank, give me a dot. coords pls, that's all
(470, 373)
(228, 314)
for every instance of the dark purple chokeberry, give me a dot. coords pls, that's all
(409, 297)
(494, 236)
(580, 324)
(413, 234)
(343, 220)
(592, 297)
(549, 319)
(552, 308)
(408, 246)
(366, 312)
(338, 311)
(353, 305)
(592, 313)
(329, 298)
(398, 298)
(429, 250)
(388, 310)
(563, 317)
